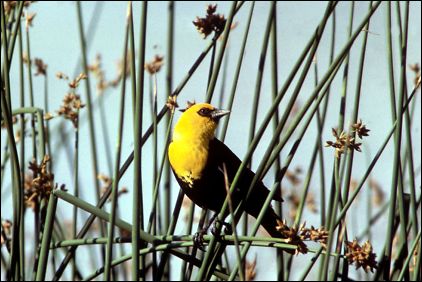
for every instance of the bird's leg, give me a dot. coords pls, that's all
(198, 238)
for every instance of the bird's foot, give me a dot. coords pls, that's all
(198, 239)
(228, 230)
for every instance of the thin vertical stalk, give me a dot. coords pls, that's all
(349, 158)
(169, 87)
(274, 80)
(114, 198)
(397, 151)
(336, 185)
(9, 51)
(184, 275)
(22, 155)
(156, 199)
(216, 71)
(92, 135)
(409, 257)
(17, 189)
(46, 238)
(260, 73)
(31, 93)
(137, 213)
(237, 73)
(76, 189)
(321, 151)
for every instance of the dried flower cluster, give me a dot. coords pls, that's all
(417, 71)
(41, 68)
(121, 70)
(6, 231)
(107, 183)
(75, 83)
(98, 72)
(29, 18)
(297, 236)
(61, 75)
(3, 123)
(211, 23)
(250, 270)
(9, 6)
(360, 129)
(39, 184)
(155, 65)
(70, 108)
(172, 103)
(294, 176)
(345, 141)
(102, 83)
(188, 105)
(361, 256)
(378, 193)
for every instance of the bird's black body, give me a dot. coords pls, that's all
(210, 192)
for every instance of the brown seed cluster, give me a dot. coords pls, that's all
(70, 108)
(297, 236)
(39, 184)
(75, 83)
(71, 102)
(155, 64)
(361, 256)
(172, 103)
(360, 129)
(41, 68)
(212, 22)
(346, 141)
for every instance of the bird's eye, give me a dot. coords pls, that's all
(205, 112)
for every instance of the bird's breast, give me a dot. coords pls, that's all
(188, 160)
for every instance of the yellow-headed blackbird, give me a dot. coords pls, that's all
(197, 159)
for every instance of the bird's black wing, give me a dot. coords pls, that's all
(220, 154)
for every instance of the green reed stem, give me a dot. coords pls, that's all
(114, 198)
(137, 212)
(92, 134)
(46, 238)
(237, 73)
(169, 87)
(216, 68)
(14, 266)
(274, 84)
(397, 150)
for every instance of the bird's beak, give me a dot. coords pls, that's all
(217, 114)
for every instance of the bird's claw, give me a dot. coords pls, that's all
(227, 228)
(198, 240)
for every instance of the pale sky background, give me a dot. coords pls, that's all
(55, 38)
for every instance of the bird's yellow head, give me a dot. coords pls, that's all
(198, 121)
